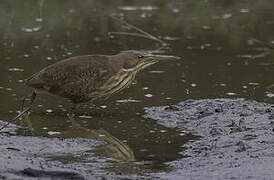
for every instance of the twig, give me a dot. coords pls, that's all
(159, 50)
(142, 33)
(269, 46)
(131, 34)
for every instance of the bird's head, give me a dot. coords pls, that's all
(137, 60)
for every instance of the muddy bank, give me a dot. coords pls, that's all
(28, 157)
(237, 138)
(48, 158)
(236, 141)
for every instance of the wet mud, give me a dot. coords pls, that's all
(26, 157)
(236, 141)
(236, 138)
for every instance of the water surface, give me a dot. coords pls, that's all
(214, 38)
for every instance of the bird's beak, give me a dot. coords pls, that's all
(161, 57)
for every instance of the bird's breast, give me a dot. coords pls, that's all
(116, 83)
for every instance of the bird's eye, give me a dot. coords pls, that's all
(140, 57)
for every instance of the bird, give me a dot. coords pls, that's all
(87, 78)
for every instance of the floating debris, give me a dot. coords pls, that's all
(244, 10)
(29, 30)
(163, 131)
(253, 84)
(175, 10)
(72, 11)
(227, 16)
(231, 93)
(127, 100)
(143, 150)
(85, 116)
(49, 58)
(269, 94)
(134, 8)
(171, 38)
(39, 20)
(149, 95)
(97, 39)
(157, 72)
(49, 110)
(223, 85)
(189, 37)
(143, 15)
(53, 132)
(16, 69)
(206, 27)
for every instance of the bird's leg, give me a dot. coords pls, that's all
(71, 116)
(71, 112)
(32, 98)
(27, 122)
(26, 111)
(22, 104)
(74, 107)
(74, 124)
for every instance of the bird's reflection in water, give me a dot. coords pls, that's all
(114, 153)
(114, 148)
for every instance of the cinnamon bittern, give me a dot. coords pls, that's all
(90, 77)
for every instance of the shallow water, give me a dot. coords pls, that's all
(213, 38)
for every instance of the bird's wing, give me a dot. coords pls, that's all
(72, 79)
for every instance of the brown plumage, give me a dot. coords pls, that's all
(90, 77)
